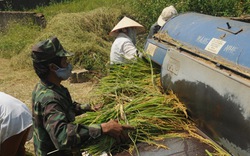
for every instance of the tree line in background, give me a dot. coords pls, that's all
(22, 5)
(149, 10)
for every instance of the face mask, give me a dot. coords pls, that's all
(64, 73)
(132, 34)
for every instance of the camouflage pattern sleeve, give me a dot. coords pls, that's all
(63, 133)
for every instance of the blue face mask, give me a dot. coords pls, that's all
(64, 73)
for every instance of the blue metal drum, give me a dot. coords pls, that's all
(156, 51)
(222, 37)
(205, 60)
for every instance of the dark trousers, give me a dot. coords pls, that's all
(14, 146)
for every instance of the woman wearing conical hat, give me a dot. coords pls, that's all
(123, 48)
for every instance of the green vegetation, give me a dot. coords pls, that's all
(14, 39)
(148, 11)
(75, 6)
(81, 31)
(131, 93)
(83, 26)
(84, 34)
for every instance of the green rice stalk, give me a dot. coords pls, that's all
(130, 94)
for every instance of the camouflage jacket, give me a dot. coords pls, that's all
(53, 114)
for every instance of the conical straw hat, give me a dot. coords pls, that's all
(126, 22)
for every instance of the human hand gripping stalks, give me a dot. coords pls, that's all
(116, 130)
(130, 95)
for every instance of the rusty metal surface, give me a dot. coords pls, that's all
(243, 18)
(207, 65)
(177, 147)
(218, 101)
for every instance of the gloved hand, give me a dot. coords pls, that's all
(116, 130)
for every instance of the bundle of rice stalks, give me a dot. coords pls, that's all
(131, 94)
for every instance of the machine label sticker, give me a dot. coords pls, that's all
(151, 49)
(173, 66)
(215, 45)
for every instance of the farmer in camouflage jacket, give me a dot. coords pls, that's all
(53, 109)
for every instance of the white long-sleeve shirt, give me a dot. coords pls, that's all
(122, 49)
(14, 116)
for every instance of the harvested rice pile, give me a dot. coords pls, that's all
(85, 34)
(131, 94)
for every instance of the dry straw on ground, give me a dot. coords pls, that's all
(85, 34)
